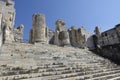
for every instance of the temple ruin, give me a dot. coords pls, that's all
(60, 54)
(40, 33)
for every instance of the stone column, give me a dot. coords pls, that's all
(56, 40)
(97, 31)
(72, 34)
(39, 28)
(65, 38)
(31, 36)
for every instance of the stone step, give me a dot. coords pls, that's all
(79, 66)
(108, 77)
(56, 68)
(115, 78)
(91, 75)
(68, 75)
(58, 74)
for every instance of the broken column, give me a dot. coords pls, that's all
(97, 31)
(18, 33)
(77, 37)
(97, 37)
(72, 35)
(39, 32)
(61, 34)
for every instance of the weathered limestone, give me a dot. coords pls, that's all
(48, 62)
(18, 33)
(8, 36)
(77, 38)
(61, 34)
(8, 16)
(72, 32)
(107, 44)
(88, 38)
(60, 25)
(89, 41)
(56, 39)
(97, 31)
(80, 38)
(31, 36)
(9, 2)
(117, 27)
(109, 37)
(39, 32)
(51, 36)
(1, 33)
(97, 37)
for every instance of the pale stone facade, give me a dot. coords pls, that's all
(39, 31)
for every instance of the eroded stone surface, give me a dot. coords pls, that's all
(45, 62)
(80, 38)
(18, 33)
(25, 61)
(8, 16)
(61, 34)
(39, 31)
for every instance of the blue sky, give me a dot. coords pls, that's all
(87, 13)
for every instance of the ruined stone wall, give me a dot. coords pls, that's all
(89, 41)
(107, 44)
(61, 36)
(88, 38)
(80, 38)
(109, 37)
(117, 27)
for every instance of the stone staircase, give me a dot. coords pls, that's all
(48, 62)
